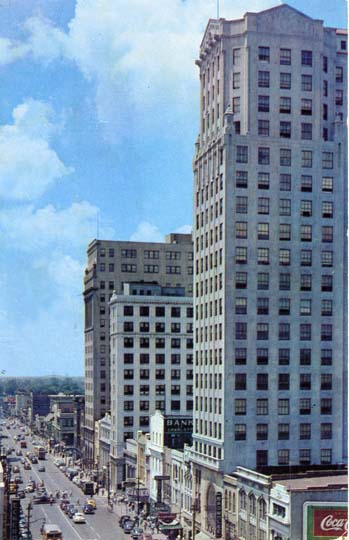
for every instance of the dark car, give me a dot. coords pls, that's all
(123, 519)
(72, 510)
(64, 503)
(41, 499)
(21, 494)
(136, 533)
(88, 509)
(128, 526)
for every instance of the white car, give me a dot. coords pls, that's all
(79, 518)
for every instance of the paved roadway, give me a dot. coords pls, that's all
(99, 526)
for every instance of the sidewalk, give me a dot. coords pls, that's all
(120, 509)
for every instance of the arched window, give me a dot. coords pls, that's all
(252, 504)
(262, 508)
(242, 500)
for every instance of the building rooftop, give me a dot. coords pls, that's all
(315, 482)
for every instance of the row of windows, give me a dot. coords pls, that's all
(262, 407)
(145, 374)
(284, 334)
(283, 356)
(262, 306)
(284, 255)
(306, 57)
(283, 432)
(158, 327)
(131, 253)
(263, 182)
(160, 311)
(144, 358)
(305, 282)
(146, 390)
(160, 343)
(285, 157)
(132, 268)
(262, 381)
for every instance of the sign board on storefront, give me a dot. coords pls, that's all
(324, 521)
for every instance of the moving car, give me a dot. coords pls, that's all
(123, 519)
(136, 533)
(41, 499)
(92, 503)
(41, 468)
(88, 509)
(128, 526)
(78, 517)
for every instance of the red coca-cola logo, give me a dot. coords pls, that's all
(329, 522)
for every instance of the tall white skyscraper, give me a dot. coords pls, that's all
(270, 272)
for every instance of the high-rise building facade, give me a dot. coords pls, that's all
(151, 354)
(270, 272)
(110, 264)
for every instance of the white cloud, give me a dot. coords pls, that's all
(146, 232)
(184, 229)
(31, 229)
(28, 165)
(139, 54)
(11, 51)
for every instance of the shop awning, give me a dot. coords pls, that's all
(171, 526)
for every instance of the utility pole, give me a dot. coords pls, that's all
(137, 499)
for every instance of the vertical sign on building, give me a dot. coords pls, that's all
(218, 515)
(15, 511)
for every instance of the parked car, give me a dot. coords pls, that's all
(123, 519)
(136, 533)
(21, 493)
(128, 526)
(92, 503)
(88, 509)
(78, 517)
(41, 468)
(41, 499)
(72, 511)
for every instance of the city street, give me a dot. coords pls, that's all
(101, 525)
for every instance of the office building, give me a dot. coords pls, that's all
(270, 272)
(110, 264)
(151, 348)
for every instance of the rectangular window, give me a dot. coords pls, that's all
(283, 406)
(241, 205)
(304, 431)
(327, 160)
(284, 257)
(304, 406)
(262, 281)
(306, 257)
(326, 282)
(263, 104)
(236, 81)
(326, 431)
(263, 155)
(306, 107)
(305, 381)
(240, 306)
(262, 256)
(306, 208)
(284, 331)
(262, 331)
(327, 234)
(326, 308)
(262, 357)
(305, 306)
(327, 209)
(285, 81)
(306, 233)
(236, 57)
(326, 332)
(240, 381)
(326, 357)
(263, 79)
(262, 306)
(240, 406)
(284, 306)
(285, 207)
(240, 330)
(262, 432)
(263, 205)
(285, 57)
(284, 231)
(241, 280)
(236, 105)
(241, 229)
(307, 58)
(263, 231)
(242, 154)
(285, 157)
(263, 128)
(264, 54)
(240, 432)
(240, 356)
(306, 183)
(307, 83)
(326, 406)
(241, 179)
(307, 158)
(284, 282)
(283, 432)
(241, 255)
(285, 130)
(305, 357)
(263, 180)
(339, 74)
(285, 182)
(284, 381)
(339, 97)
(326, 258)
(306, 131)
(283, 457)
(325, 456)
(262, 381)
(305, 332)
(261, 407)
(285, 105)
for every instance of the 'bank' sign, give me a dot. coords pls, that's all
(325, 521)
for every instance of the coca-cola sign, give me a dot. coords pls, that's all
(325, 522)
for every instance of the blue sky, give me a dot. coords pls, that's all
(98, 117)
